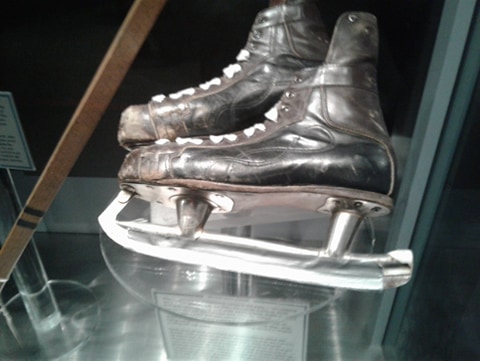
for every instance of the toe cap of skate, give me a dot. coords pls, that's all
(136, 127)
(145, 165)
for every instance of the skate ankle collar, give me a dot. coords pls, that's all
(281, 14)
(358, 76)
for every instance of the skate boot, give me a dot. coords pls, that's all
(323, 147)
(283, 40)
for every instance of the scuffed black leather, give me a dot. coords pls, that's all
(329, 130)
(283, 40)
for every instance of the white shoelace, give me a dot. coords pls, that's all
(229, 72)
(271, 115)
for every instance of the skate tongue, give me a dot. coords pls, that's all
(354, 40)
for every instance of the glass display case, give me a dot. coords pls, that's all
(156, 309)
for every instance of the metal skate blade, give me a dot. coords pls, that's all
(260, 258)
(192, 214)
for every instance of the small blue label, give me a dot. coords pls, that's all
(14, 152)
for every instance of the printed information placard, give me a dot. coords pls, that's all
(189, 339)
(14, 152)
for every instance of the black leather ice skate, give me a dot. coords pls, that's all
(283, 40)
(323, 147)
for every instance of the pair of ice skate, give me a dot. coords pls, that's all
(321, 146)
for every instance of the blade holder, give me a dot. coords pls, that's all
(192, 214)
(346, 217)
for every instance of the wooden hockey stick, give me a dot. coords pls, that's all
(108, 77)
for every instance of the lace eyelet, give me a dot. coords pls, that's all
(262, 20)
(289, 94)
(352, 18)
